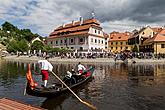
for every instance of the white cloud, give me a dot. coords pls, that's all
(42, 16)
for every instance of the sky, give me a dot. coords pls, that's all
(43, 16)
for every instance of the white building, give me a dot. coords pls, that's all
(84, 35)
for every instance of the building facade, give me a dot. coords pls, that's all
(138, 37)
(84, 35)
(155, 44)
(118, 42)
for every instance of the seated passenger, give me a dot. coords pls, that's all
(69, 79)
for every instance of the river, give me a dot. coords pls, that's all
(116, 86)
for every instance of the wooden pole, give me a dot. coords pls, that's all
(86, 103)
(24, 93)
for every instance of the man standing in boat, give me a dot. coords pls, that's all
(45, 67)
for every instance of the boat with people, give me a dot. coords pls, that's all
(56, 89)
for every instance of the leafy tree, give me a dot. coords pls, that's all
(37, 45)
(13, 46)
(135, 49)
(23, 45)
(9, 27)
(28, 35)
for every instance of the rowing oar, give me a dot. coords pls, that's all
(86, 103)
(24, 92)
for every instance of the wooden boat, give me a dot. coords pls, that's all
(56, 89)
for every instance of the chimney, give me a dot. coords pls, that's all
(63, 25)
(81, 20)
(73, 22)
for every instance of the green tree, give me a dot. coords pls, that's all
(23, 46)
(27, 34)
(13, 46)
(135, 49)
(37, 45)
(9, 27)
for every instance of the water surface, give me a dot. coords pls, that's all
(114, 87)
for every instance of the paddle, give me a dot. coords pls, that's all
(86, 103)
(24, 92)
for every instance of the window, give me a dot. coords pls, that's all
(126, 43)
(112, 48)
(95, 40)
(91, 39)
(121, 43)
(81, 48)
(111, 43)
(72, 47)
(116, 48)
(71, 41)
(95, 31)
(56, 41)
(61, 41)
(99, 41)
(143, 33)
(51, 42)
(98, 32)
(65, 41)
(121, 48)
(116, 43)
(162, 45)
(126, 47)
(81, 40)
(102, 41)
(105, 43)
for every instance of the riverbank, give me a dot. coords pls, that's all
(85, 60)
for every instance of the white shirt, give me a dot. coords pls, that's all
(45, 65)
(81, 67)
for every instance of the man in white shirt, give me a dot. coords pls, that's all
(81, 68)
(45, 66)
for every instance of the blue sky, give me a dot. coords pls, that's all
(43, 16)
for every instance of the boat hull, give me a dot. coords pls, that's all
(57, 89)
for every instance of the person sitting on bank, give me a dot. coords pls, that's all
(45, 67)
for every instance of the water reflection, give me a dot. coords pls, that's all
(115, 86)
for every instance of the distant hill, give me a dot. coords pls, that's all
(8, 31)
(15, 39)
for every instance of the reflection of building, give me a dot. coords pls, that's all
(81, 35)
(119, 41)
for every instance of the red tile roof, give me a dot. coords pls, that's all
(116, 36)
(75, 29)
(88, 21)
(157, 29)
(159, 37)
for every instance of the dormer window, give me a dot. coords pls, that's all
(95, 31)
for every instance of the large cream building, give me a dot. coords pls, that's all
(83, 35)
